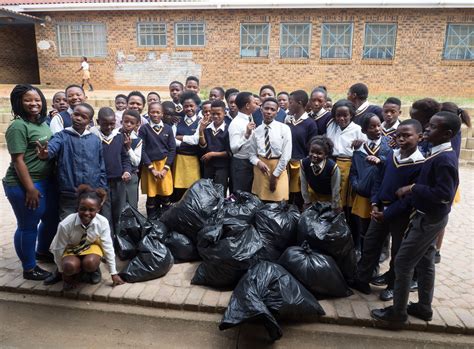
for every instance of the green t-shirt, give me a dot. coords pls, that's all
(21, 138)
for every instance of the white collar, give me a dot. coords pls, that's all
(193, 118)
(212, 127)
(291, 118)
(393, 127)
(70, 111)
(72, 130)
(152, 124)
(96, 130)
(78, 223)
(362, 107)
(243, 116)
(376, 141)
(440, 147)
(321, 112)
(416, 156)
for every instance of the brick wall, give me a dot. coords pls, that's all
(417, 68)
(18, 59)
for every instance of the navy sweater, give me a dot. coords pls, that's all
(116, 157)
(258, 116)
(217, 143)
(183, 129)
(301, 134)
(373, 109)
(156, 146)
(320, 183)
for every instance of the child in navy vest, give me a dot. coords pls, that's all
(391, 111)
(74, 95)
(318, 112)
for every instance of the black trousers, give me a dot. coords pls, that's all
(220, 175)
(113, 206)
(241, 175)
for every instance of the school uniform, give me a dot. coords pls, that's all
(322, 119)
(366, 108)
(390, 133)
(63, 120)
(342, 139)
(241, 173)
(159, 151)
(179, 109)
(135, 154)
(395, 173)
(258, 116)
(272, 145)
(320, 182)
(118, 118)
(431, 197)
(302, 130)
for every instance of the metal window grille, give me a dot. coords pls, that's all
(380, 41)
(190, 34)
(82, 39)
(295, 40)
(336, 40)
(459, 43)
(151, 34)
(254, 40)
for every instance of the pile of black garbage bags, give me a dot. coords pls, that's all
(277, 261)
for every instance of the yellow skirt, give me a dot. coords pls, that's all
(93, 249)
(315, 197)
(457, 197)
(86, 74)
(344, 165)
(294, 172)
(186, 170)
(152, 187)
(261, 183)
(361, 206)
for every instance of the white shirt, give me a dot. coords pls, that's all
(135, 155)
(71, 129)
(362, 108)
(335, 184)
(416, 156)
(84, 65)
(280, 144)
(96, 130)
(343, 139)
(239, 145)
(375, 142)
(441, 147)
(70, 232)
(194, 139)
(118, 118)
(57, 123)
(393, 127)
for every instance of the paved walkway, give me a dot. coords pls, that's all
(453, 302)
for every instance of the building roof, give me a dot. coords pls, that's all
(105, 5)
(11, 17)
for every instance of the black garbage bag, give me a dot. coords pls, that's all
(131, 232)
(157, 228)
(277, 224)
(329, 234)
(317, 272)
(153, 260)
(181, 247)
(228, 250)
(266, 293)
(241, 206)
(200, 202)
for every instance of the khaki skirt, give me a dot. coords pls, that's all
(86, 74)
(261, 183)
(294, 172)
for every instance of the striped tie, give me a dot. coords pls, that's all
(268, 150)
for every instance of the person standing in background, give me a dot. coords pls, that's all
(86, 75)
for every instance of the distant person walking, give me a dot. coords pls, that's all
(86, 75)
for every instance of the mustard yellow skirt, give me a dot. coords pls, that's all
(315, 197)
(186, 170)
(457, 197)
(93, 249)
(261, 183)
(152, 187)
(344, 165)
(86, 74)
(294, 172)
(361, 206)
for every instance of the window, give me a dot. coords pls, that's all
(459, 42)
(151, 34)
(189, 34)
(379, 41)
(295, 40)
(82, 39)
(336, 40)
(254, 39)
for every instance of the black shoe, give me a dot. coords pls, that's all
(95, 277)
(413, 286)
(388, 315)
(54, 278)
(379, 280)
(36, 274)
(437, 257)
(386, 295)
(361, 287)
(413, 309)
(46, 257)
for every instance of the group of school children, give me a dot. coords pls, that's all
(389, 177)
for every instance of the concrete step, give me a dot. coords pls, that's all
(3, 127)
(469, 143)
(466, 132)
(5, 118)
(467, 154)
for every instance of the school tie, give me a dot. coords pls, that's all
(188, 121)
(157, 128)
(372, 146)
(268, 150)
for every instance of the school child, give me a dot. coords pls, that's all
(120, 106)
(283, 101)
(267, 91)
(318, 112)
(391, 111)
(86, 75)
(59, 105)
(27, 182)
(270, 152)
(192, 85)
(170, 117)
(136, 101)
(79, 158)
(217, 93)
(389, 214)
(303, 129)
(240, 130)
(229, 92)
(205, 111)
(431, 196)
(117, 166)
(75, 95)
(328, 105)
(150, 98)
(83, 238)
(320, 176)
(258, 100)
(345, 135)
(358, 94)
(176, 90)
(364, 172)
(133, 146)
(159, 149)
(231, 110)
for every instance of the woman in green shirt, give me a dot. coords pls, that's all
(27, 183)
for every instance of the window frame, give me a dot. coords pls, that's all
(445, 48)
(394, 47)
(81, 42)
(189, 35)
(308, 48)
(351, 26)
(152, 23)
(267, 44)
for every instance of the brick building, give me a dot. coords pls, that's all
(425, 48)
